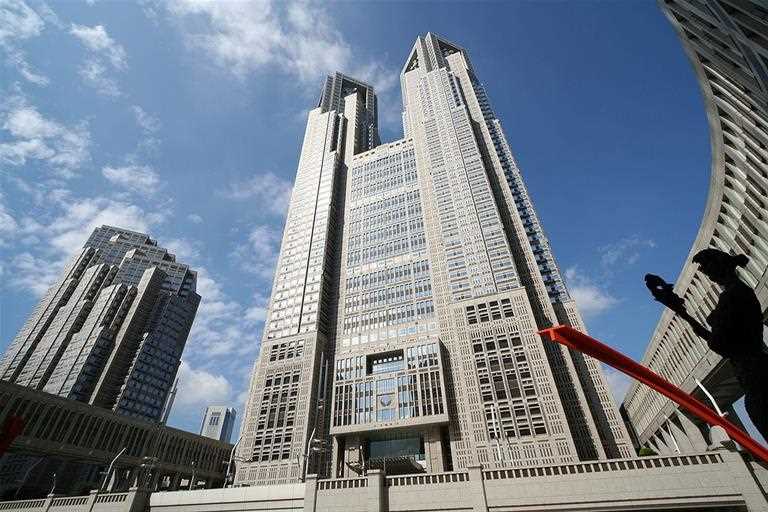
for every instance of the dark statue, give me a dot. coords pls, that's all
(735, 326)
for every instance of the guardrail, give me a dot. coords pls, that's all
(604, 466)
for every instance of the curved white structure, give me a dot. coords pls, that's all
(727, 43)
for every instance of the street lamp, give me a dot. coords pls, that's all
(109, 470)
(231, 459)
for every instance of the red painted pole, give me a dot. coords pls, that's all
(579, 341)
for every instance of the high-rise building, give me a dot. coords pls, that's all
(218, 422)
(111, 329)
(727, 44)
(412, 279)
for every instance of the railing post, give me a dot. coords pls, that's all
(48, 501)
(477, 489)
(137, 500)
(376, 490)
(310, 493)
(91, 500)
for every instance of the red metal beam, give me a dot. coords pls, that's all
(579, 341)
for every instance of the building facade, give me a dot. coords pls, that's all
(68, 446)
(412, 279)
(111, 330)
(218, 422)
(727, 44)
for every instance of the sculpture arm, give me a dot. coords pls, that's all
(701, 331)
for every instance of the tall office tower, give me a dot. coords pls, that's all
(111, 330)
(218, 422)
(727, 44)
(412, 280)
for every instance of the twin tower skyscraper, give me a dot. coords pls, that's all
(412, 279)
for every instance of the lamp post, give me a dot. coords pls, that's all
(231, 459)
(109, 470)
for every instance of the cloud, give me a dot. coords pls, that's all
(19, 22)
(81, 216)
(99, 42)
(184, 250)
(52, 242)
(590, 298)
(102, 49)
(296, 38)
(35, 137)
(8, 224)
(267, 190)
(94, 74)
(145, 121)
(618, 383)
(199, 387)
(194, 218)
(258, 255)
(137, 178)
(624, 252)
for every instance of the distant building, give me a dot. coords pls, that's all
(218, 422)
(111, 330)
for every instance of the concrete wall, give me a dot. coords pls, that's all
(718, 480)
(132, 501)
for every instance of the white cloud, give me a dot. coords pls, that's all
(94, 74)
(618, 383)
(99, 42)
(17, 59)
(184, 250)
(624, 252)
(195, 218)
(148, 123)
(53, 242)
(297, 38)
(19, 22)
(199, 387)
(102, 48)
(32, 273)
(221, 328)
(267, 190)
(259, 255)
(137, 178)
(35, 137)
(590, 298)
(81, 217)
(8, 224)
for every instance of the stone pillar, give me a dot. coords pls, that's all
(693, 433)
(137, 500)
(744, 481)
(91, 500)
(310, 493)
(433, 448)
(477, 489)
(376, 491)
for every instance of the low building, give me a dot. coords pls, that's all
(76, 442)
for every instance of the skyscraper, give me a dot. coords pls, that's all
(412, 279)
(111, 329)
(218, 422)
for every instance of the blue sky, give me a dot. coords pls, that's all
(184, 119)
